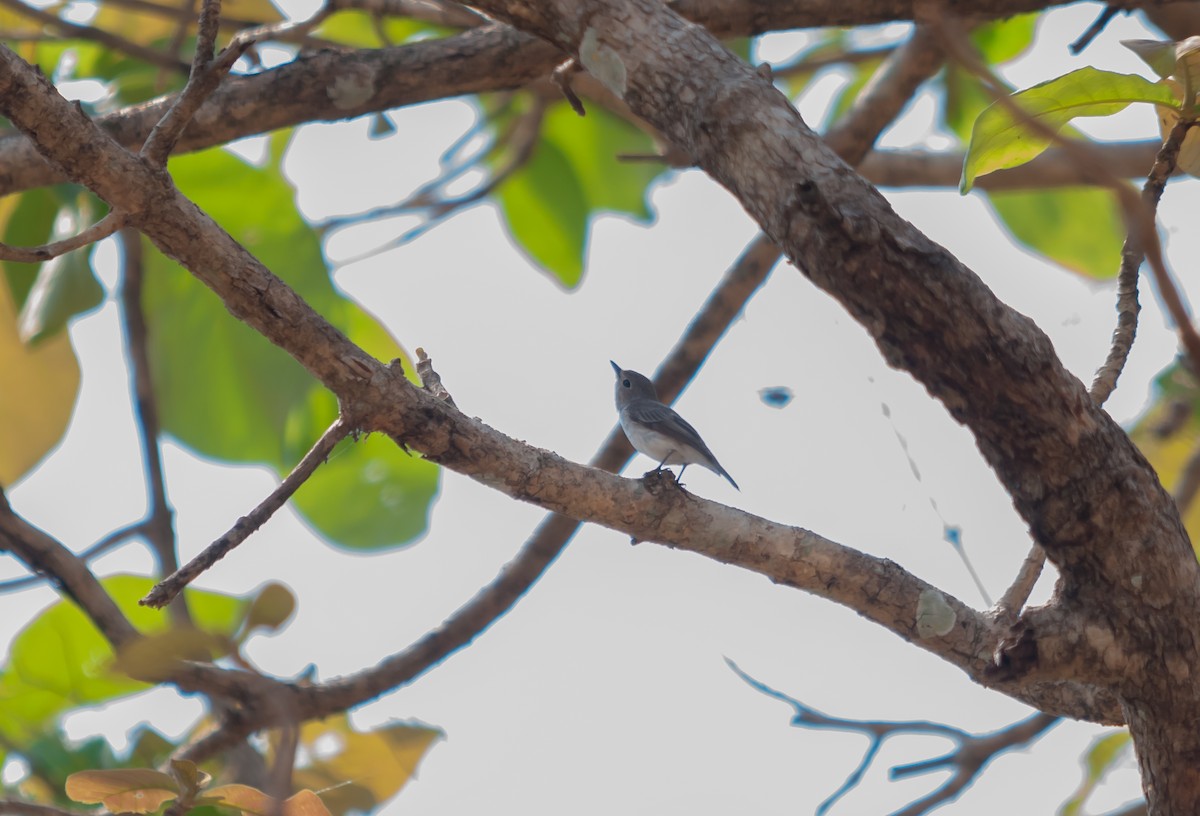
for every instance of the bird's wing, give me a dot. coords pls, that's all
(659, 417)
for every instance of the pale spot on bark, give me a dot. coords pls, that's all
(353, 88)
(1101, 640)
(602, 62)
(935, 617)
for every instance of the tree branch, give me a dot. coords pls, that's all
(166, 590)
(386, 402)
(46, 556)
(489, 58)
(967, 761)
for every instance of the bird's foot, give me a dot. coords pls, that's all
(660, 479)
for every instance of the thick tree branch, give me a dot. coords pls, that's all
(386, 402)
(489, 58)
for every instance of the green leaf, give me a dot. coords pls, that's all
(227, 392)
(963, 100)
(65, 287)
(60, 660)
(1104, 753)
(28, 220)
(592, 144)
(546, 211)
(1080, 228)
(572, 174)
(1004, 40)
(362, 29)
(861, 75)
(1001, 140)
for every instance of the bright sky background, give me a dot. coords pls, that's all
(605, 690)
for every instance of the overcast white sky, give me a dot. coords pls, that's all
(605, 690)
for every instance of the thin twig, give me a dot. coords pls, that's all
(1132, 256)
(1008, 609)
(206, 74)
(973, 753)
(103, 228)
(165, 590)
(521, 137)
(1093, 31)
(118, 536)
(159, 522)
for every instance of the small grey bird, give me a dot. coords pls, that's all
(656, 430)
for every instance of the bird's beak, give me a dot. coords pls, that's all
(616, 367)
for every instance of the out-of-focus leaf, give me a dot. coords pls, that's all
(1158, 54)
(28, 220)
(377, 763)
(150, 748)
(361, 29)
(60, 660)
(1177, 60)
(861, 74)
(227, 392)
(271, 608)
(1003, 40)
(546, 211)
(124, 790)
(148, 27)
(1188, 159)
(38, 387)
(254, 802)
(154, 658)
(742, 46)
(574, 173)
(1104, 753)
(1080, 228)
(1001, 140)
(1168, 433)
(963, 100)
(52, 758)
(65, 287)
(591, 144)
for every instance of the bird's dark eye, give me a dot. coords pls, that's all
(625, 383)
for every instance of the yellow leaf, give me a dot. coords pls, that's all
(127, 790)
(380, 761)
(38, 386)
(155, 657)
(253, 801)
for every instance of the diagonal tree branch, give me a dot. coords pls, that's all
(489, 58)
(388, 403)
(43, 555)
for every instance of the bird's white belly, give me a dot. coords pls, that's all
(659, 447)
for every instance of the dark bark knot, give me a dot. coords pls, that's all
(1015, 656)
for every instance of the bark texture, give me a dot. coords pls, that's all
(1118, 641)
